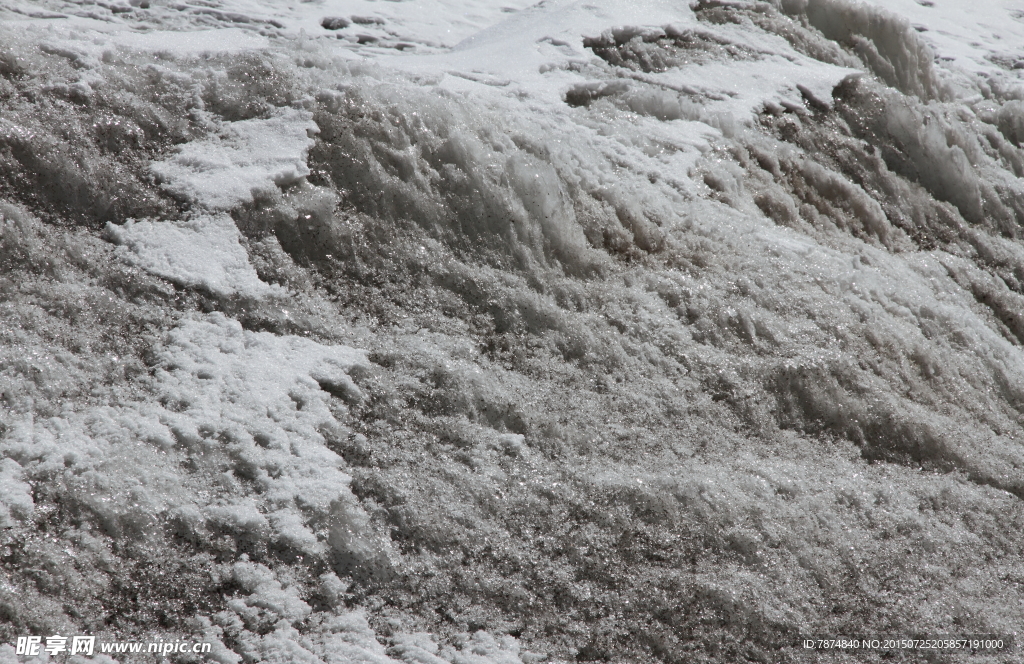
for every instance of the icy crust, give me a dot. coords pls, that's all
(221, 171)
(472, 172)
(429, 159)
(201, 253)
(918, 305)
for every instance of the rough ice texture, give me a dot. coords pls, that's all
(201, 253)
(886, 42)
(682, 343)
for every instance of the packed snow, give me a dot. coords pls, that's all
(507, 332)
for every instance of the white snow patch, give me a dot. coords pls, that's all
(251, 405)
(220, 172)
(966, 35)
(269, 397)
(224, 40)
(204, 253)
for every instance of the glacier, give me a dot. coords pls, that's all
(511, 332)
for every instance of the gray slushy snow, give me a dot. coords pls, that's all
(501, 333)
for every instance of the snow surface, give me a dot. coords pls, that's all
(690, 330)
(220, 172)
(203, 252)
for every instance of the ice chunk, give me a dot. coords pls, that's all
(220, 172)
(201, 253)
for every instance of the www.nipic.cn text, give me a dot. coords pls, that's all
(35, 646)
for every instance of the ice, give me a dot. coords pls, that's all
(886, 41)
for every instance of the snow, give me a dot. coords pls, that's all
(488, 332)
(221, 171)
(966, 40)
(201, 253)
(222, 40)
(262, 397)
(266, 395)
